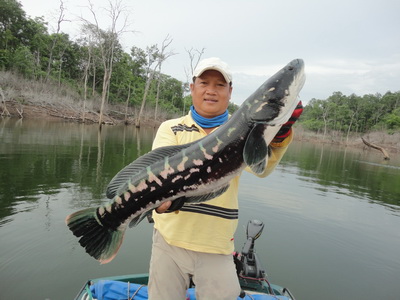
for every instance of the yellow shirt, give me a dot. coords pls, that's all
(210, 226)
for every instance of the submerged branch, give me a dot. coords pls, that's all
(385, 154)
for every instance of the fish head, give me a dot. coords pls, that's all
(275, 100)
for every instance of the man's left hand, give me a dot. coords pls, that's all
(285, 130)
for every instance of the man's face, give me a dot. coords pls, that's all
(210, 94)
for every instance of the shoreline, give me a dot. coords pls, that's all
(67, 112)
(113, 116)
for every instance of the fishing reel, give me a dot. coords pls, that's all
(250, 264)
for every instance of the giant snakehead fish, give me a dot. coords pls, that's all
(198, 171)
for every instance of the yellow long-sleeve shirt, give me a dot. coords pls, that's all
(210, 226)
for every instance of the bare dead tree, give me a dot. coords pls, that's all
(3, 101)
(56, 38)
(155, 58)
(159, 80)
(85, 81)
(61, 64)
(93, 75)
(151, 55)
(161, 58)
(194, 58)
(127, 103)
(106, 41)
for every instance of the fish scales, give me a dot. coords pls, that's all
(198, 171)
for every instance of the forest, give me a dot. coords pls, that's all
(94, 65)
(98, 69)
(357, 114)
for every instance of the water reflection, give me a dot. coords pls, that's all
(41, 157)
(331, 214)
(355, 172)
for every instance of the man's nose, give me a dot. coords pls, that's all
(211, 90)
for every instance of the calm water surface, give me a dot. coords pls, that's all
(332, 215)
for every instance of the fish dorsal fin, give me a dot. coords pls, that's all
(121, 179)
(256, 150)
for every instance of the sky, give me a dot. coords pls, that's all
(348, 46)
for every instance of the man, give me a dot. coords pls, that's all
(199, 244)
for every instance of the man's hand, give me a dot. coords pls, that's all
(170, 206)
(163, 207)
(285, 130)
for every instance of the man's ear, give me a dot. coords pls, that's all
(230, 92)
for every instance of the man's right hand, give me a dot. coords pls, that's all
(163, 207)
(170, 206)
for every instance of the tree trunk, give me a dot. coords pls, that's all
(60, 68)
(59, 21)
(158, 93)
(126, 104)
(348, 130)
(106, 81)
(94, 79)
(86, 78)
(146, 91)
(3, 101)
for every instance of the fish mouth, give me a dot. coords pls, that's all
(279, 94)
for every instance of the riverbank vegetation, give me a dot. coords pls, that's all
(354, 120)
(358, 114)
(93, 79)
(92, 70)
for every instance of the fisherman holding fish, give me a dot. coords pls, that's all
(191, 179)
(196, 241)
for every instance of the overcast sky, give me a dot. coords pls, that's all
(351, 46)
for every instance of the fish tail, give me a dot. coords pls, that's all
(100, 242)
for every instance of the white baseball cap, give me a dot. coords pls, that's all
(213, 63)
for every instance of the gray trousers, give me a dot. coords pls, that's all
(171, 267)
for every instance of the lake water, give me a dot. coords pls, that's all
(332, 215)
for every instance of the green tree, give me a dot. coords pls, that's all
(392, 120)
(23, 62)
(12, 24)
(12, 28)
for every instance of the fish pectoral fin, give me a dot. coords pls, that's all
(255, 149)
(208, 196)
(260, 167)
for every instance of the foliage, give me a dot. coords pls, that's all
(27, 47)
(353, 113)
(232, 107)
(392, 120)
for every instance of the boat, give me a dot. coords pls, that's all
(252, 277)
